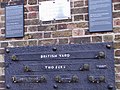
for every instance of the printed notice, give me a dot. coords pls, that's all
(14, 21)
(54, 10)
(100, 15)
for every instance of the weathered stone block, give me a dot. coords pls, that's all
(67, 33)
(97, 39)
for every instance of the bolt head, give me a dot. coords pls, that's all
(54, 49)
(108, 46)
(8, 86)
(14, 57)
(55, 86)
(7, 50)
(110, 87)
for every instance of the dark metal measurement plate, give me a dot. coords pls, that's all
(60, 67)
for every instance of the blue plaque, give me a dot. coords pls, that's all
(100, 15)
(14, 21)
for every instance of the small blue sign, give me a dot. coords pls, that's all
(14, 21)
(100, 15)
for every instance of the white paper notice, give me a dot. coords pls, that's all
(54, 10)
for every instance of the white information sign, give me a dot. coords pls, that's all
(54, 10)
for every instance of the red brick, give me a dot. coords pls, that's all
(25, 2)
(28, 36)
(46, 22)
(118, 84)
(6, 1)
(117, 37)
(37, 35)
(71, 26)
(81, 40)
(78, 3)
(47, 28)
(32, 43)
(4, 44)
(116, 0)
(77, 32)
(18, 43)
(2, 12)
(25, 16)
(117, 53)
(79, 10)
(47, 35)
(33, 28)
(117, 76)
(32, 2)
(32, 22)
(78, 18)
(86, 2)
(108, 38)
(26, 9)
(2, 25)
(2, 85)
(116, 29)
(48, 42)
(86, 18)
(63, 21)
(62, 26)
(2, 18)
(117, 22)
(2, 51)
(117, 45)
(63, 41)
(2, 78)
(71, 4)
(32, 15)
(2, 38)
(25, 29)
(34, 8)
(2, 31)
(117, 69)
(67, 33)
(116, 14)
(117, 7)
(82, 25)
(117, 60)
(97, 39)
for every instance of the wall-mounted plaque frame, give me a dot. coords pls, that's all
(60, 67)
(58, 10)
(14, 21)
(100, 15)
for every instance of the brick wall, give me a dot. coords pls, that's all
(69, 31)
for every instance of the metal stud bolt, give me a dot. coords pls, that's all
(42, 79)
(14, 57)
(27, 69)
(91, 78)
(14, 79)
(58, 79)
(55, 86)
(102, 78)
(8, 86)
(54, 49)
(7, 50)
(85, 67)
(108, 46)
(110, 87)
(74, 78)
(100, 55)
